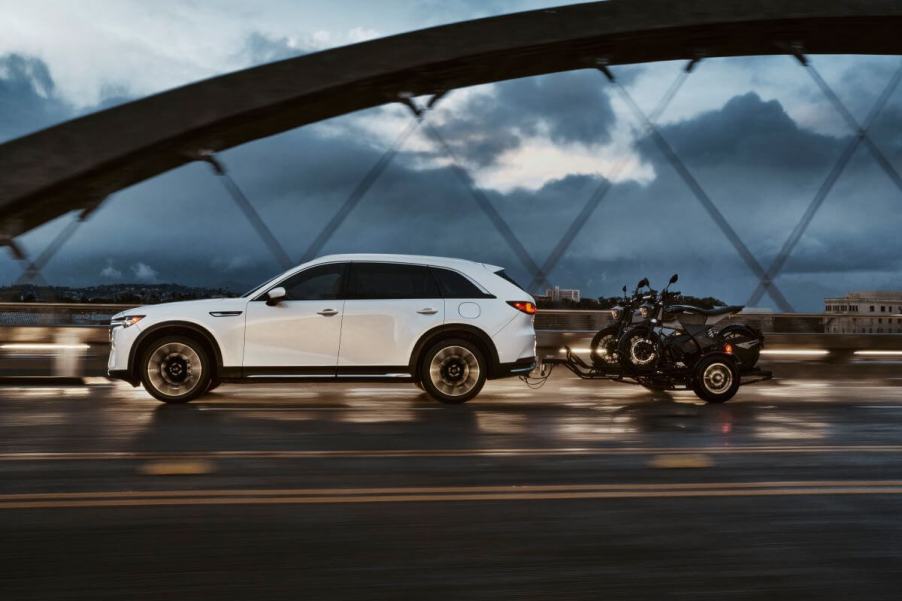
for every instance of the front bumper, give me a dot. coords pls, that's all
(122, 374)
(121, 342)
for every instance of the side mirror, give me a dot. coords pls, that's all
(674, 278)
(624, 289)
(642, 282)
(275, 296)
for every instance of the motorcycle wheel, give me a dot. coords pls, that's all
(737, 334)
(604, 348)
(638, 350)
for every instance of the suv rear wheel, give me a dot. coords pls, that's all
(453, 371)
(175, 369)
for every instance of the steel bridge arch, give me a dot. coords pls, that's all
(76, 164)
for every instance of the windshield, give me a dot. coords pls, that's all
(260, 287)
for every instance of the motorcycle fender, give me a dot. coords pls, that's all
(722, 356)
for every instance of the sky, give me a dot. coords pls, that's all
(756, 133)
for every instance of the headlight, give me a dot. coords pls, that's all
(644, 312)
(125, 321)
(616, 313)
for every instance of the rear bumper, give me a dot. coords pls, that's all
(520, 367)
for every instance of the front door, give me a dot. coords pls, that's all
(389, 306)
(300, 335)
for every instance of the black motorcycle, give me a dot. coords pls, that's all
(663, 345)
(676, 338)
(603, 347)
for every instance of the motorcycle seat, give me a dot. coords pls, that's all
(676, 309)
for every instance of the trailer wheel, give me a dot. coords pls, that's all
(716, 379)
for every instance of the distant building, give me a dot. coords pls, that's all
(558, 294)
(867, 312)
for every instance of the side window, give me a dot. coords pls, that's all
(390, 281)
(454, 285)
(323, 282)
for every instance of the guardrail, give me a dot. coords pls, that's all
(64, 339)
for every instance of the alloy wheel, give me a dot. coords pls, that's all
(454, 370)
(174, 368)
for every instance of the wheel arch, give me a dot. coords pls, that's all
(725, 357)
(455, 330)
(169, 328)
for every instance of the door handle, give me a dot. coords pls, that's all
(327, 312)
(428, 311)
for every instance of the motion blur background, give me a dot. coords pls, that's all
(757, 133)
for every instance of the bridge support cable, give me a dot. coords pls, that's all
(371, 176)
(32, 274)
(695, 187)
(250, 213)
(861, 136)
(605, 185)
(481, 199)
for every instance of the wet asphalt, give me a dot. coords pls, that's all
(578, 490)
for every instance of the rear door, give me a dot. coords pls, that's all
(389, 306)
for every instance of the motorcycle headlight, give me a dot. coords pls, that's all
(644, 312)
(616, 313)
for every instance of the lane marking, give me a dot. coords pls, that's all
(444, 494)
(402, 490)
(176, 468)
(391, 453)
(680, 461)
(382, 409)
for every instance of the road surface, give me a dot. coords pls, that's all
(579, 490)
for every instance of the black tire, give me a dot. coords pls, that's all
(169, 369)
(737, 334)
(604, 348)
(453, 371)
(625, 349)
(214, 384)
(716, 379)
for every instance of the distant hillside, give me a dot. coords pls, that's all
(126, 294)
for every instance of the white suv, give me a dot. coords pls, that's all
(445, 324)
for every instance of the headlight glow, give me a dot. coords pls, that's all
(126, 321)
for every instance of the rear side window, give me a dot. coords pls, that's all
(454, 285)
(391, 281)
(503, 275)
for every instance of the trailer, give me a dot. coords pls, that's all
(715, 377)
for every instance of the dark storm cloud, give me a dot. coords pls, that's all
(757, 164)
(748, 131)
(28, 99)
(570, 107)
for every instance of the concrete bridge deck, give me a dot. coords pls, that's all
(580, 490)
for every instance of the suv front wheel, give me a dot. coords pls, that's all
(453, 371)
(175, 369)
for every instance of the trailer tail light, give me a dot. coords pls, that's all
(523, 306)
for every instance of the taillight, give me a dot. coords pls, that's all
(523, 306)
(728, 348)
